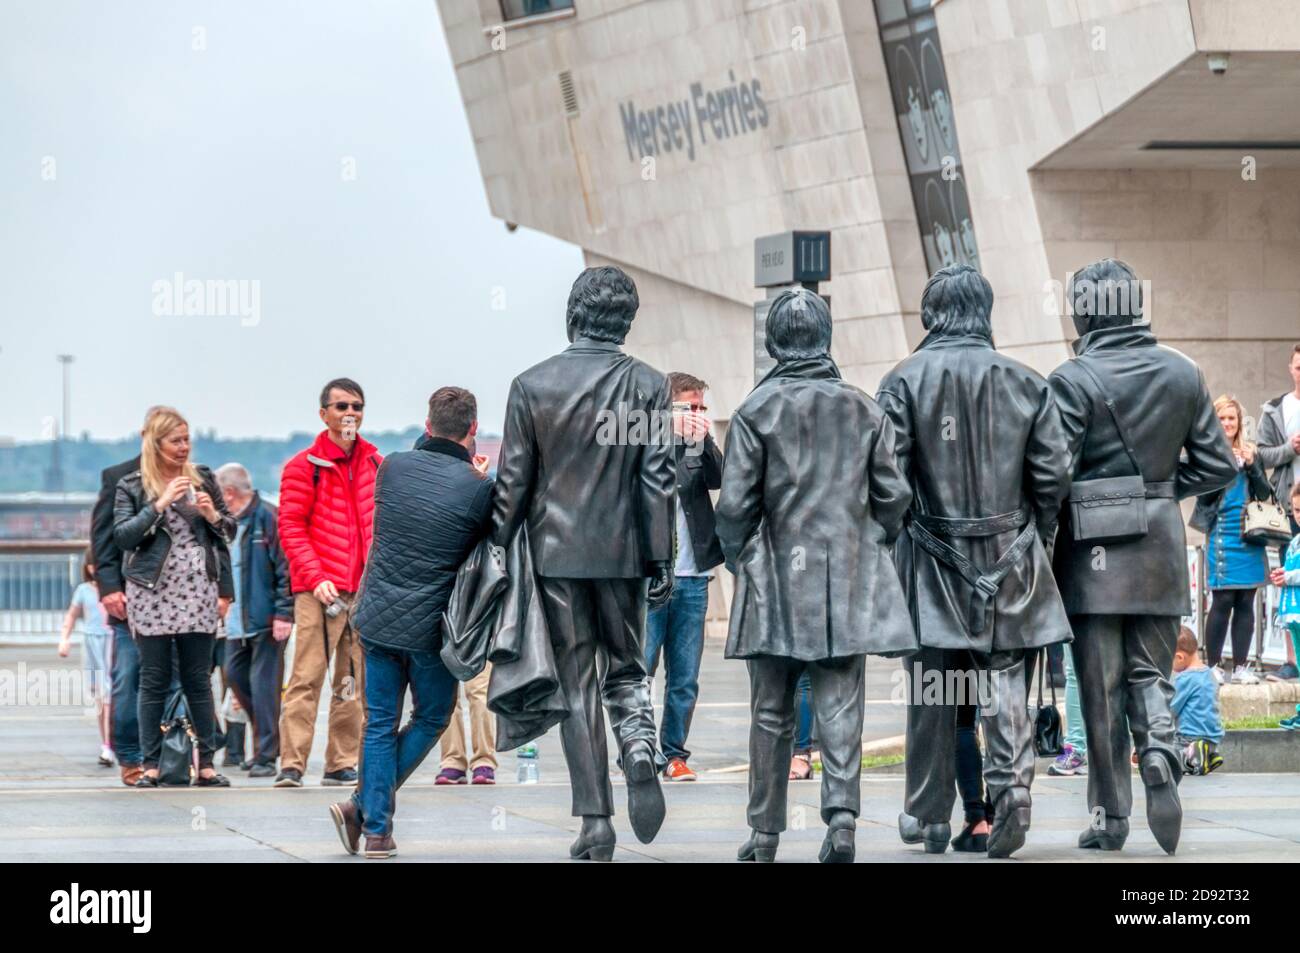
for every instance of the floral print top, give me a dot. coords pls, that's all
(184, 599)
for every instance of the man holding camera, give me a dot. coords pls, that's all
(327, 500)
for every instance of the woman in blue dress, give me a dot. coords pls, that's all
(1234, 567)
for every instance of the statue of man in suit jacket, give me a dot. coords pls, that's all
(587, 464)
(1131, 408)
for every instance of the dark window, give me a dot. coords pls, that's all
(516, 9)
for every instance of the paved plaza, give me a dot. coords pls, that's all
(57, 805)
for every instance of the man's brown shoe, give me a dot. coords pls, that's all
(347, 824)
(131, 773)
(380, 847)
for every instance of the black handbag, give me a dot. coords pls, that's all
(178, 761)
(1048, 740)
(1113, 509)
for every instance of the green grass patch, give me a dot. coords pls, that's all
(870, 761)
(1251, 721)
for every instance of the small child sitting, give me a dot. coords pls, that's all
(1196, 707)
(1287, 577)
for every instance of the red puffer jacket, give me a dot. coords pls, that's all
(327, 505)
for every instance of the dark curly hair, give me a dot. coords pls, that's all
(602, 304)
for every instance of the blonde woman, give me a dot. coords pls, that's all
(171, 523)
(1234, 568)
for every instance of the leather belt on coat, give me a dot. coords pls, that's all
(926, 530)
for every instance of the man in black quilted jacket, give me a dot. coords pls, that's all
(433, 505)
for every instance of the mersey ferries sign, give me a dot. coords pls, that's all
(707, 114)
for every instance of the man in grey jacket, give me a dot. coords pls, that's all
(1278, 446)
(1279, 438)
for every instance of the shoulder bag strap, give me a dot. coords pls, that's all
(1114, 414)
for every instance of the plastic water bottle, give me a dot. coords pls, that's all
(526, 759)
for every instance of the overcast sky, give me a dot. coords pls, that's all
(219, 140)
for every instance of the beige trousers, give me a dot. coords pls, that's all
(311, 659)
(483, 727)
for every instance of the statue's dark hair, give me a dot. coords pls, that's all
(602, 304)
(798, 326)
(957, 300)
(1105, 294)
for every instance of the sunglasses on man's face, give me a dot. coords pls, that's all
(342, 405)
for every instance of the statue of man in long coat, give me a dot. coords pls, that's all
(980, 442)
(811, 500)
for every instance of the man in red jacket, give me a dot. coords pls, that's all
(327, 500)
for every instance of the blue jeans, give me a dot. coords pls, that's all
(677, 627)
(125, 696)
(388, 756)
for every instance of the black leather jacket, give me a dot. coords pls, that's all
(140, 532)
(108, 560)
(698, 472)
(583, 465)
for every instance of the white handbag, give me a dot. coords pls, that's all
(1265, 523)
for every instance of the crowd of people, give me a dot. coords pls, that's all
(192, 572)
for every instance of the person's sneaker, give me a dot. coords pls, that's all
(105, 759)
(484, 775)
(1286, 673)
(347, 823)
(678, 770)
(260, 770)
(1292, 723)
(289, 778)
(1068, 763)
(1217, 672)
(1242, 675)
(380, 847)
(339, 778)
(450, 776)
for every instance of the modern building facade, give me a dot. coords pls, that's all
(1028, 137)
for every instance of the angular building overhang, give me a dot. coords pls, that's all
(1212, 111)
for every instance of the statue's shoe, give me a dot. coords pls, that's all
(1110, 837)
(934, 836)
(1010, 823)
(645, 798)
(595, 840)
(838, 847)
(1164, 808)
(760, 848)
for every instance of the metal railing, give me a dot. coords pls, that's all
(36, 583)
